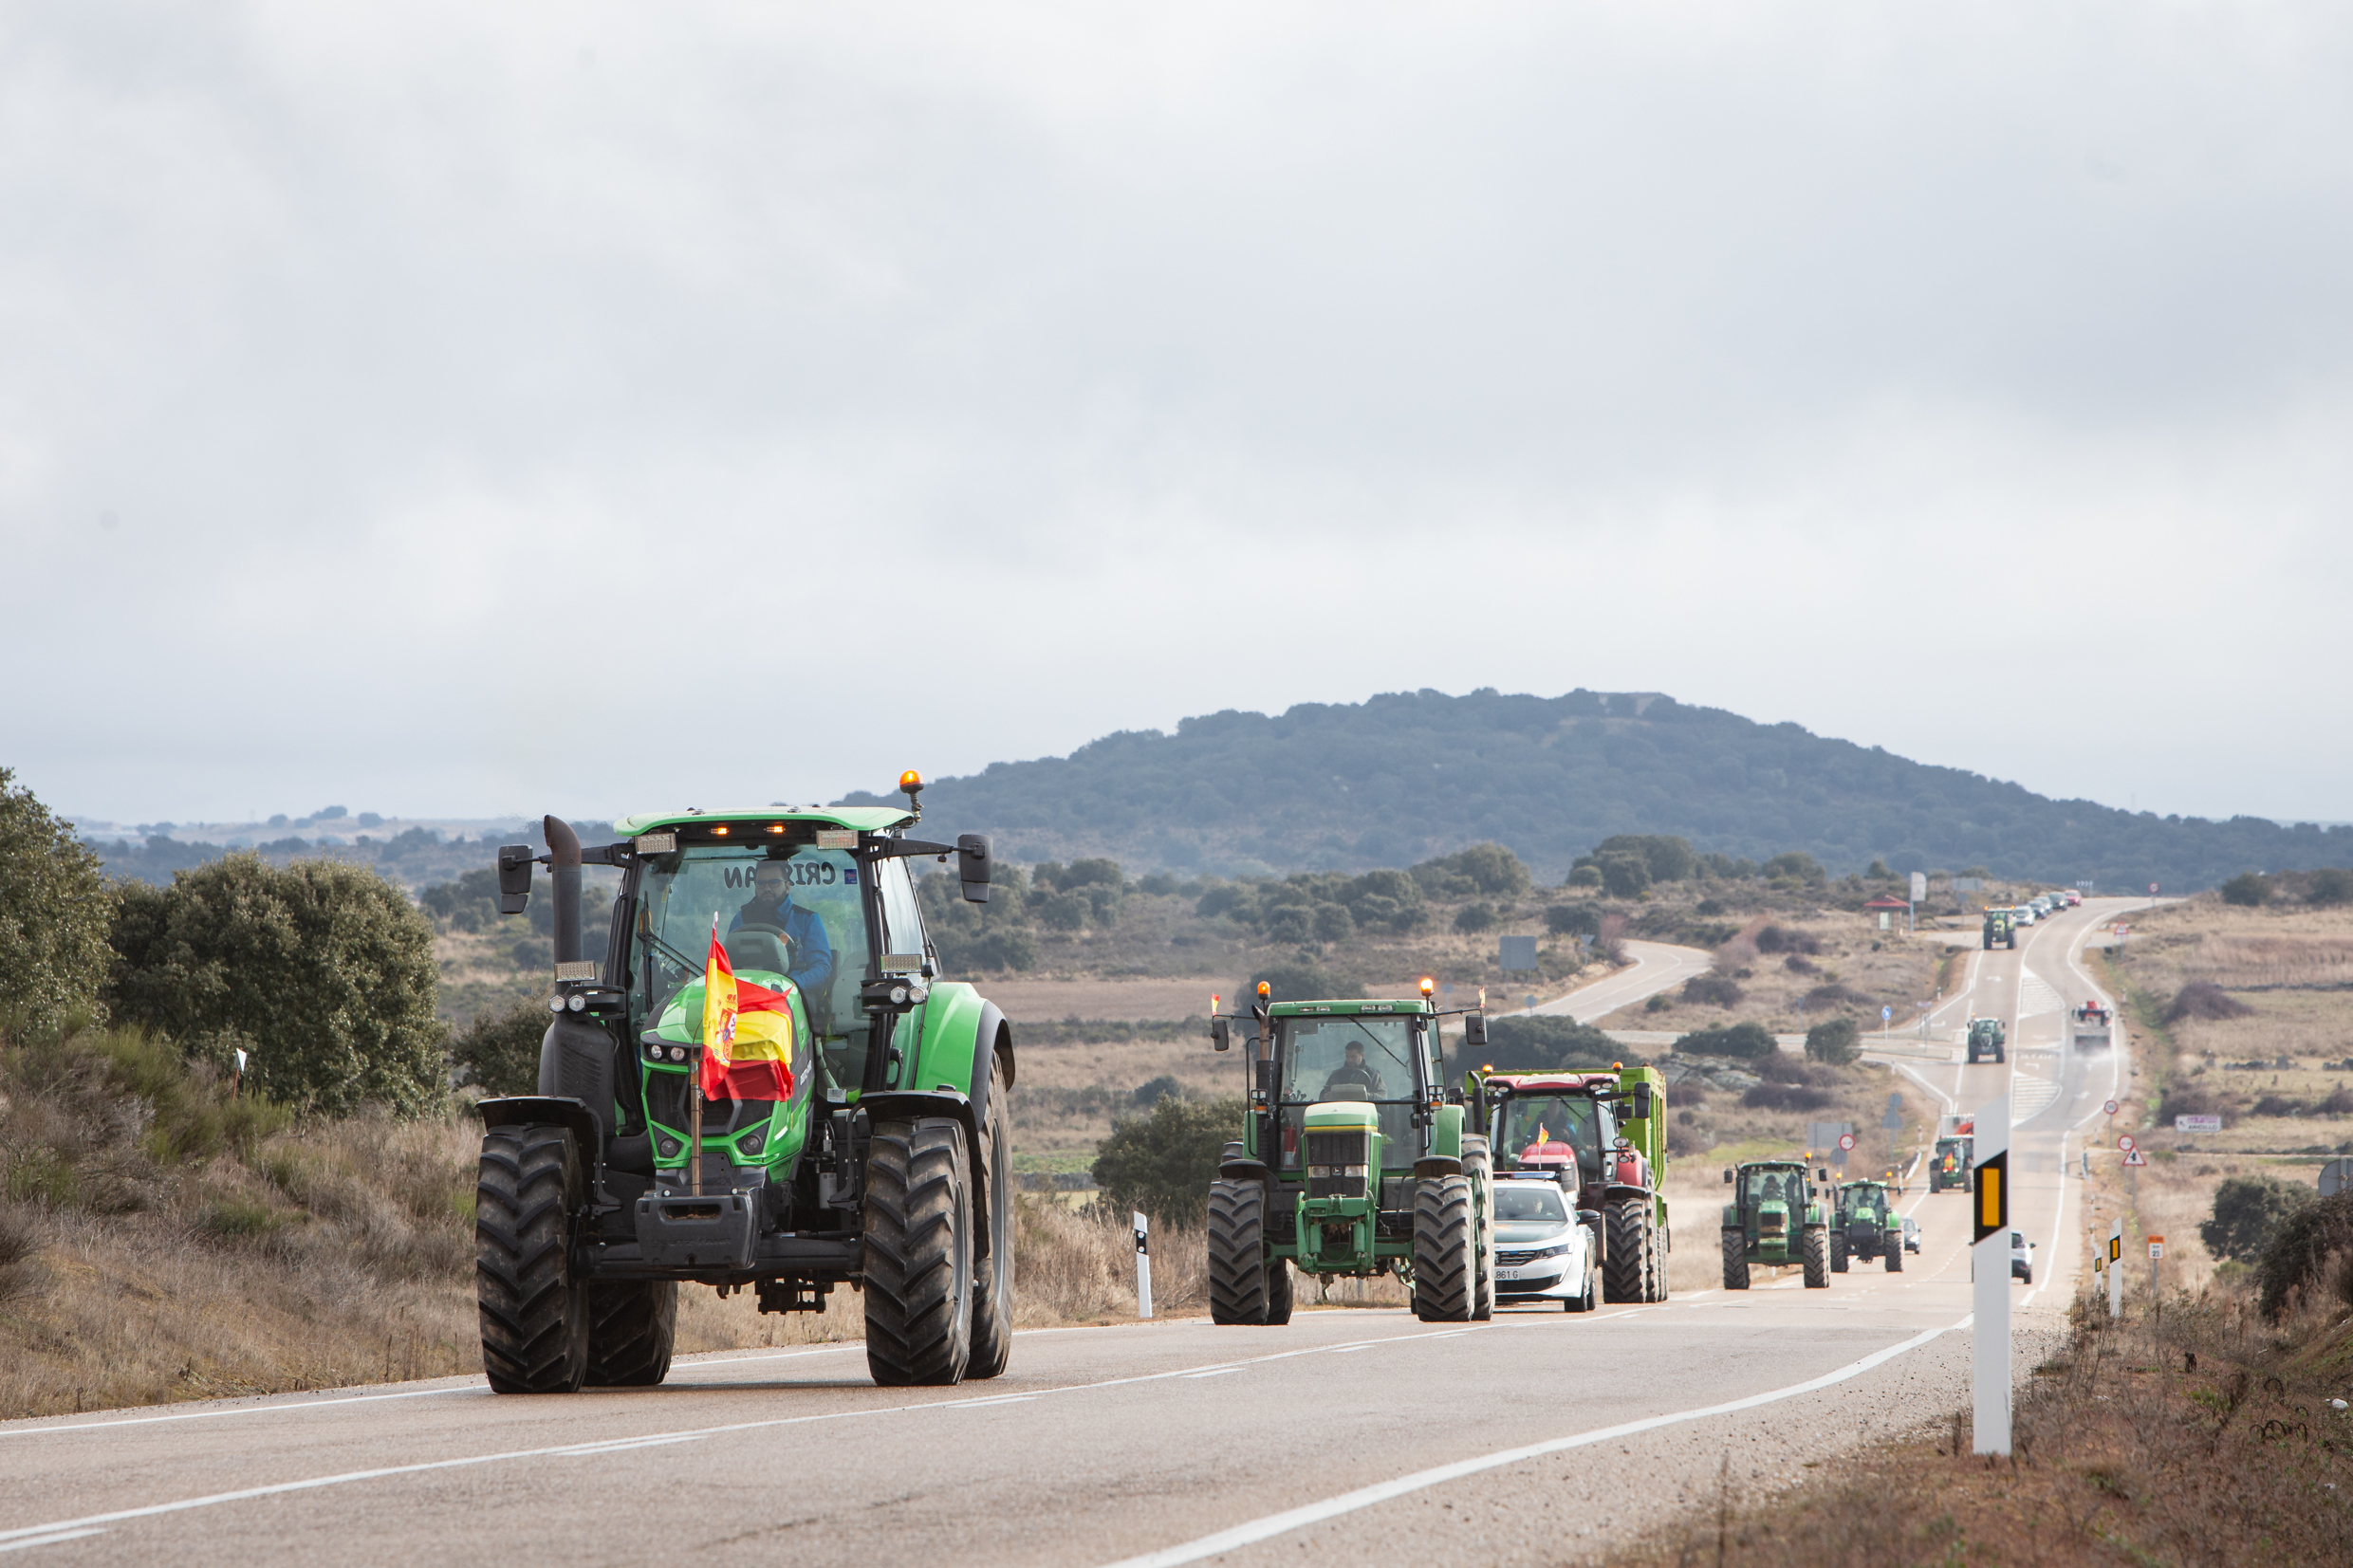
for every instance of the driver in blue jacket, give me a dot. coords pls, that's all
(771, 906)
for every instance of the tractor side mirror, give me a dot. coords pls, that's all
(1219, 1039)
(974, 868)
(514, 877)
(1728, 1175)
(1641, 1102)
(1475, 1029)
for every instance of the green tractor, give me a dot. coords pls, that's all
(1951, 1166)
(1775, 1220)
(1987, 1040)
(1865, 1225)
(881, 1162)
(1353, 1162)
(2001, 929)
(1612, 1128)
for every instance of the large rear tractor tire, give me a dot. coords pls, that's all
(632, 1327)
(919, 1218)
(1238, 1252)
(1817, 1259)
(1895, 1249)
(1444, 1247)
(1735, 1260)
(1479, 1166)
(993, 1285)
(1626, 1262)
(534, 1313)
(1661, 1242)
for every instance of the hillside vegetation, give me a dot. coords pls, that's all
(1409, 775)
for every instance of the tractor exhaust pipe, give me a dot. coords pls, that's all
(564, 871)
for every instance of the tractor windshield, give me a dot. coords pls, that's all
(783, 912)
(1328, 1059)
(1784, 1187)
(1540, 1127)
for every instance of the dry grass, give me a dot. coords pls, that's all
(1789, 991)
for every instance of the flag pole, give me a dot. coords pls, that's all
(694, 1132)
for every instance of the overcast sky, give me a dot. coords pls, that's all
(449, 409)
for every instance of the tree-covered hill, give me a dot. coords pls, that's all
(1409, 775)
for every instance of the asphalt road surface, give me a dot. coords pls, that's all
(1656, 967)
(1537, 1438)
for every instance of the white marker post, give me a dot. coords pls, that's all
(1989, 1258)
(2116, 1268)
(1144, 1268)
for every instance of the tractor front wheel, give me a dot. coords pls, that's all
(1837, 1252)
(632, 1327)
(534, 1313)
(1445, 1241)
(1817, 1259)
(1626, 1262)
(1895, 1249)
(993, 1288)
(1238, 1252)
(1735, 1260)
(919, 1254)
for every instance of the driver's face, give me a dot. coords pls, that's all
(1354, 1055)
(768, 884)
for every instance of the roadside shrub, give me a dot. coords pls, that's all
(1583, 876)
(1786, 1097)
(2329, 885)
(1832, 994)
(1475, 918)
(1834, 1041)
(1482, 871)
(2206, 1000)
(1163, 1163)
(1296, 983)
(1573, 920)
(2247, 889)
(1664, 856)
(1539, 1043)
(323, 970)
(1072, 911)
(1714, 990)
(2303, 1253)
(2192, 1098)
(1745, 1039)
(1333, 923)
(1797, 964)
(2248, 1213)
(500, 1051)
(1795, 866)
(1624, 876)
(54, 914)
(1153, 1091)
(1772, 938)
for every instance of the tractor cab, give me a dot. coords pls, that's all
(1554, 1120)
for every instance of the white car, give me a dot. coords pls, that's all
(2021, 1257)
(1543, 1252)
(2022, 915)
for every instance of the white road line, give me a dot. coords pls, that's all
(1315, 1513)
(89, 1522)
(242, 1409)
(47, 1540)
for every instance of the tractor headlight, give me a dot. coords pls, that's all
(749, 1143)
(577, 1001)
(898, 995)
(677, 1052)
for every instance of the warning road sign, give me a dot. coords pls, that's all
(2134, 1156)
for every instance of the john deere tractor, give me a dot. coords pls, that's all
(1610, 1126)
(883, 1165)
(1865, 1225)
(2001, 929)
(1774, 1219)
(1987, 1040)
(1951, 1166)
(1353, 1162)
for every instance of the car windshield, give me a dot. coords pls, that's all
(1325, 1059)
(783, 912)
(1527, 1199)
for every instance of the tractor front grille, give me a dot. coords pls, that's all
(1339, 1164)
(1772, 1222)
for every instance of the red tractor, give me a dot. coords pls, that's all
(1612, 1127)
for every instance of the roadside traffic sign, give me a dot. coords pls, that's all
(1846, 1140)
(1886, 1013)
(2124, 1141)
(2134, 1156)
(2110, 1108)
(2152, 889)
(2157, 1247)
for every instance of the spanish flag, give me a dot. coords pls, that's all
(747, 1033)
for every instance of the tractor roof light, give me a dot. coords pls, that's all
(1264, 990)
(718, 830)
(911, 782)
(1429, 987)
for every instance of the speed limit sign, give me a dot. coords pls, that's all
(1846, 1140)
(2110, 1108)
(2126, 1144)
